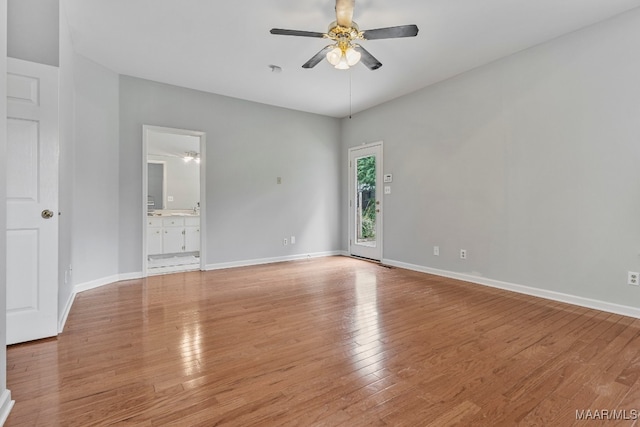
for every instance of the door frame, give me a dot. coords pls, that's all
(379, 197)
(146, 130)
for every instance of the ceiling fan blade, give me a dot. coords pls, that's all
(391, 32)
(281, 32)
(367, 59)
(317, 58)
(344, 12)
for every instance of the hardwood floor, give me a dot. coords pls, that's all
(332, 341)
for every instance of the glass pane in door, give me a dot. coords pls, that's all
(366, 201)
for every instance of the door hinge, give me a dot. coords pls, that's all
(350, 163)
(350, 242)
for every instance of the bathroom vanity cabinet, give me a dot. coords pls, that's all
(173, 234)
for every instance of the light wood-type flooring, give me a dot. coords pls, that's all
(331, 341)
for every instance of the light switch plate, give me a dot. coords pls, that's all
(388, 177)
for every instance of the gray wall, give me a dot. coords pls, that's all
(529, 163)
(89, 181)
(248, 146)
(33, 30)
(96, 172)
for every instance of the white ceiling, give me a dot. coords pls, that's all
(225, 47)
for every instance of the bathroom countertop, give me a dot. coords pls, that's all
(168, 214)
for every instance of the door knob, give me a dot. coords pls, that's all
(46, 214)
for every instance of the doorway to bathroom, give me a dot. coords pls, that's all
(174, 232)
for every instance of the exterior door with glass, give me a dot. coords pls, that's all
(365, 201)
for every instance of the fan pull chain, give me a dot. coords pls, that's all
(350, 108)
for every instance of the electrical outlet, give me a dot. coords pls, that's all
(285, 242)
(463, 254)
(632, 278)
(436, 250)
(293, 240)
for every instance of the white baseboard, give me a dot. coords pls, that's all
(67, 308)
(81, 287)
(526, 290)
(260, 261)
(130, 276)
(5, 406)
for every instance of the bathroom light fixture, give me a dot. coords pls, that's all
(191, 155)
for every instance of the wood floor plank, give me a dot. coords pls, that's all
(327, 342)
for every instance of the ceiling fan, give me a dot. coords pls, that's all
(344, 32)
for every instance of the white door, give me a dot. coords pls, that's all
(32, 201)
(365, 201)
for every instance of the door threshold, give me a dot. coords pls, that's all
(376, 261)
(156, 271)
(371, 260)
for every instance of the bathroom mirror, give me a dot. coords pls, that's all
(173, 166)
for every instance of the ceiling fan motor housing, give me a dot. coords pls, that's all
(337, 32)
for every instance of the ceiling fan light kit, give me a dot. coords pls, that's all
(343, 58)
(345, 53)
